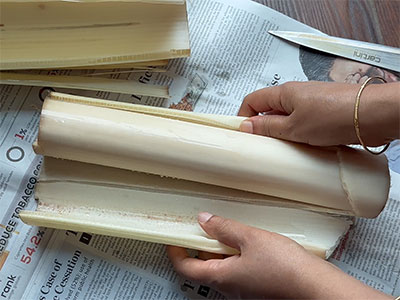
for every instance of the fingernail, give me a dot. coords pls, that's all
(203, 217)
(246, 126)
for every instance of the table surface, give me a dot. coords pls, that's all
(375, 21)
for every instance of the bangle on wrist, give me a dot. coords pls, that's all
(356, 116)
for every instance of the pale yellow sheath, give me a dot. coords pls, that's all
(85, 83)
(54, 34)
(259, 181)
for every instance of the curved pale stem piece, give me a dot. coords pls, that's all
(227, 122)
(66, 34)
(84, 197)
(85, 83)
(199, 163)
(173, 143)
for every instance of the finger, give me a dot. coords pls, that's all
(192, 268)
(362, 80)
(263, 100)
(228, 232)
(268, 125)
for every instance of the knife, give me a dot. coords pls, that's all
(374, 54)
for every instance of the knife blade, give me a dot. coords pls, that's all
(374, 54)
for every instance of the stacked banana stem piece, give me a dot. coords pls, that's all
(97, 37)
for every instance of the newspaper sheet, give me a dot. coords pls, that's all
(232, 55)
(370, 251)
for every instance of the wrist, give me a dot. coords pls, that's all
(324, 280)
(379, 114)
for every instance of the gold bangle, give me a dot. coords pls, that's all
(356, 116)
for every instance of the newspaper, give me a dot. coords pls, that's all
(232, 55)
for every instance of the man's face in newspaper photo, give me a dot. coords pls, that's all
(344, 70)
(325, 67)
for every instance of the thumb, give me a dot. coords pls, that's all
(269, 125)
(228, 232)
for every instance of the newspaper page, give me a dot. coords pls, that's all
(21, 246)
(232, 55)
(84, 266)
(370, 251)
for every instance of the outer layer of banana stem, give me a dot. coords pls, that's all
(104, 200)
(227, 122)
(340, 178)
(67, 34)
(148, 65)
(85, 83)
(180, 2)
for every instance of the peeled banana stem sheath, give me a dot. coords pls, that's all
(67, 34)
(340, 178)
(85, 83)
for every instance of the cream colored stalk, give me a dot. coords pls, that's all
(104, 200)
(148, 65)
(98, 1)
(85, 83)
(64, 34)
(86, 130)
(227, 122)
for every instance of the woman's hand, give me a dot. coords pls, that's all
(322, 113)
(269, 266)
